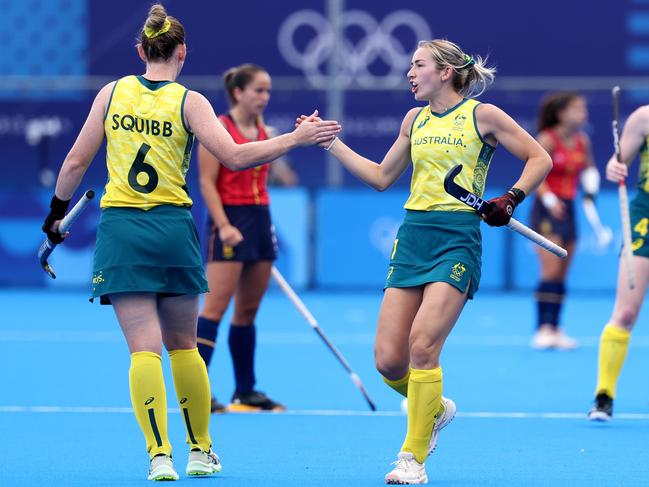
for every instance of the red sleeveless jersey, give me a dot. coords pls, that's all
(247, 187)
(568, 163)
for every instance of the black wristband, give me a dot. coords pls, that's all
(518, 194)
(58, 207)
(57, 212)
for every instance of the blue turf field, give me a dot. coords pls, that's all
(65, 411)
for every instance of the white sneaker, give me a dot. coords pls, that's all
(440, 422)
(407, 471)
(564, 342)
(203, 463)
(162, 468)
(544, 339)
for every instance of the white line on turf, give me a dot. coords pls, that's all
(316, 412)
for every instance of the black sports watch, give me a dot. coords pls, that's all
(518, 194)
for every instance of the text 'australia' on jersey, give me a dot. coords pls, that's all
(148, 147)
(438, 142)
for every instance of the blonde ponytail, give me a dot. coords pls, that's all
(471, 75)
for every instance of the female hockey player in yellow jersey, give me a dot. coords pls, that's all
(435, 262)
(147, 260)
(615, 337)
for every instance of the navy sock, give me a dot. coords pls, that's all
(549, 297)
(207, 331)
(242, 342)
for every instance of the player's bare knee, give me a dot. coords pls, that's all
(245, 317)
(553, 274)
(245, 312)
(144, 346)
(179, 341)
(390, 364)
(626, 317)
(424, 354)
(391, 370)
(213, 312)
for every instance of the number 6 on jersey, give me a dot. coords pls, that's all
(139, 167)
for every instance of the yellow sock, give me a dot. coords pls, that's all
(149, 400)
(193, 391)
(613, 345)
(399, 385)
(424, 398)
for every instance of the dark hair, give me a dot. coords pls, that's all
(552, 105)
(239, 77)
(160, 45)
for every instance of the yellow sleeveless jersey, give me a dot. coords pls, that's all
(438, 142)
(643, 180)
(148, 145)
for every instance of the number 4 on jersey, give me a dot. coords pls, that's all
(641, 227)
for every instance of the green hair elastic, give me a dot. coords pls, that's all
(469, 61)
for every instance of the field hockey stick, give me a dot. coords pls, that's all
(603, 234)
(627, 251)
(304, 311)
(483, 207)
(48, 246)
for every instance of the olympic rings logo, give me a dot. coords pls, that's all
(357, 60)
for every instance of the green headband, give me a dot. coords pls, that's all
(151, 34)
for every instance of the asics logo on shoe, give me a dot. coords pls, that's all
(149, 401)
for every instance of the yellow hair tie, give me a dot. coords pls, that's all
(150, 33)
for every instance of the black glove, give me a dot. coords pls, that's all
(501, 209)
(57, 212)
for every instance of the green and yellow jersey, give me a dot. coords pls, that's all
(438, 142)
(148, 145)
